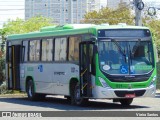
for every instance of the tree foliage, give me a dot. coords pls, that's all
(112, 16)
(2, 67)
(20, 26)
(16, 27)
(154, 26)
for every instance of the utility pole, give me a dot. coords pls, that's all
(139, 5)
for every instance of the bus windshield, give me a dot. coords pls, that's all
(126, 57)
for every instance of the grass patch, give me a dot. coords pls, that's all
(4, 90)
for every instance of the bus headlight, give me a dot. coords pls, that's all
(103, 82)
(153, 81)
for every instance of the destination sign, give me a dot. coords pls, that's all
(124, 33)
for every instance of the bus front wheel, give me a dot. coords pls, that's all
(126, 102)
(76, 98)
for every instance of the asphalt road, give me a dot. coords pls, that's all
(58, 103)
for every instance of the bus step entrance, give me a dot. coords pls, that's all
(86, 90)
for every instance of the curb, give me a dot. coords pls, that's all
(12, 95)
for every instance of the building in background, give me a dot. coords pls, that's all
(62, 11)
(103, 3)
(115, 3)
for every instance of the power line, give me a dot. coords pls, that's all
(13, 20)
(81, 19)
(48, 8)
(12, 1)
(11, 5)
(10, 9)
(12, 14)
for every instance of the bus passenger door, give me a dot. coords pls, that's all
(86, 57)
(13, 67)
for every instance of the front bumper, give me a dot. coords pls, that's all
(102, 93)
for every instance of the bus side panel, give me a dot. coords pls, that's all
(62, 74)
(41, 76)
(49, 78)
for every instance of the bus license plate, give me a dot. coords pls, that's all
(130, 95)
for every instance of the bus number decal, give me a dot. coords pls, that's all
(59, 73)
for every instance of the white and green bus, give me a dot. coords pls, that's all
(83, 61)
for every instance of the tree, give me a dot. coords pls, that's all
(2, 60)
(16, 27)
(154, 26)
(20, 26)
(112, 16)
(2, 67)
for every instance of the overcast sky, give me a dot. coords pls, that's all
(7, 9)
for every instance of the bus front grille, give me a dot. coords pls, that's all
(136, 92)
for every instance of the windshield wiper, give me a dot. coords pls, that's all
(119, 47)
(135, 47)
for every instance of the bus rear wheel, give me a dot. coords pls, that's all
(76, 98)
(126, 102)
(31, 92)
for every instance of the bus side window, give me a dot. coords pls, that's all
(34, 54)
(60, 49)
(25, 51)
(74, 48)
(47, 49)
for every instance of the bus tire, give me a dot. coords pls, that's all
(40, 97)
(126, 102)
(30, 91)
(76, 99)
(68, 98)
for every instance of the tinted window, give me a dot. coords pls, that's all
(60, 49)
(47, 49)
(25, 51)
(34, 54)
(74, 48)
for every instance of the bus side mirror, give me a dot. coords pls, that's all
(93, 38)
